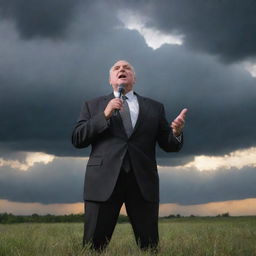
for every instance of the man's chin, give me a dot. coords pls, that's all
(127, 86)
(123, 82)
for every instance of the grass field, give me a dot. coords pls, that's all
(231, 236)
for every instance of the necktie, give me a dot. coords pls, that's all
(127, 122)
(126, 117)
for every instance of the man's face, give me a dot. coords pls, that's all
(122, 73)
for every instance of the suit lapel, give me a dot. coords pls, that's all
(142, 112)
(107, 98)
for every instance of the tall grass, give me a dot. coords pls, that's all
(233, 236)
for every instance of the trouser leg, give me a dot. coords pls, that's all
(143, 215)
(100, 221)
(101, 218)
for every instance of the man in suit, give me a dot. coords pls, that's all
(122, 166)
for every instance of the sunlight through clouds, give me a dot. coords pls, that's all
(42, 209)
(237, 159)
(233, 207)
(31, 159)
(250, 67)
(153, 37)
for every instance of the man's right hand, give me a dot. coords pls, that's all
(112, 105)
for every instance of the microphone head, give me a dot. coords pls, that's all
(121, 88)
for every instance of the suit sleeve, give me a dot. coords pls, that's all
(88, 127)
(165, 138)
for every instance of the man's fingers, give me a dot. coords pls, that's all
(179, 121)
(183, 113)
(116, 100)
(116, 103)
(177, 124)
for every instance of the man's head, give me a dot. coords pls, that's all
(122, 72)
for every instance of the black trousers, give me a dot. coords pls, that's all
(101, 217)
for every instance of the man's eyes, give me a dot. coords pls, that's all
(125, 67)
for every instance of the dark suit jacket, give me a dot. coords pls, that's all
(109, 144)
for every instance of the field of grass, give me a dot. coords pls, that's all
(231, 236)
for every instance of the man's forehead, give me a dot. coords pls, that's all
(122, 62)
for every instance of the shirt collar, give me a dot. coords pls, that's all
(129, 95)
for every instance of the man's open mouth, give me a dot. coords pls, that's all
(122, 76)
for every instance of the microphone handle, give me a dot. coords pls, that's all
(116, 111)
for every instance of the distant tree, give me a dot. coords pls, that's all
(170, 216)
(173, 216)
(226, 214)
(7, 218)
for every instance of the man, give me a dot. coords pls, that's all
(122, 167)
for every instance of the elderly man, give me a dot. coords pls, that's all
(123, 133)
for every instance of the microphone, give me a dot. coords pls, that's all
(120, 92)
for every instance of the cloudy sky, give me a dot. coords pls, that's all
(54, 54)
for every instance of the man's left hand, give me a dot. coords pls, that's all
(179, 122)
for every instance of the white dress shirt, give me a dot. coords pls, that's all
(134, 108)
(132, 104)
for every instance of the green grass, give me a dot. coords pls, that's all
(233, 236)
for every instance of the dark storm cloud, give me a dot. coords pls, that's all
(226, 28)
(188, 186)
(47, 18)
(61, 181)
(220, 98)
(44, 82)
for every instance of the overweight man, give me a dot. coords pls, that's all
(123, 129)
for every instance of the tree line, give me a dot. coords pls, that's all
(9, 218)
